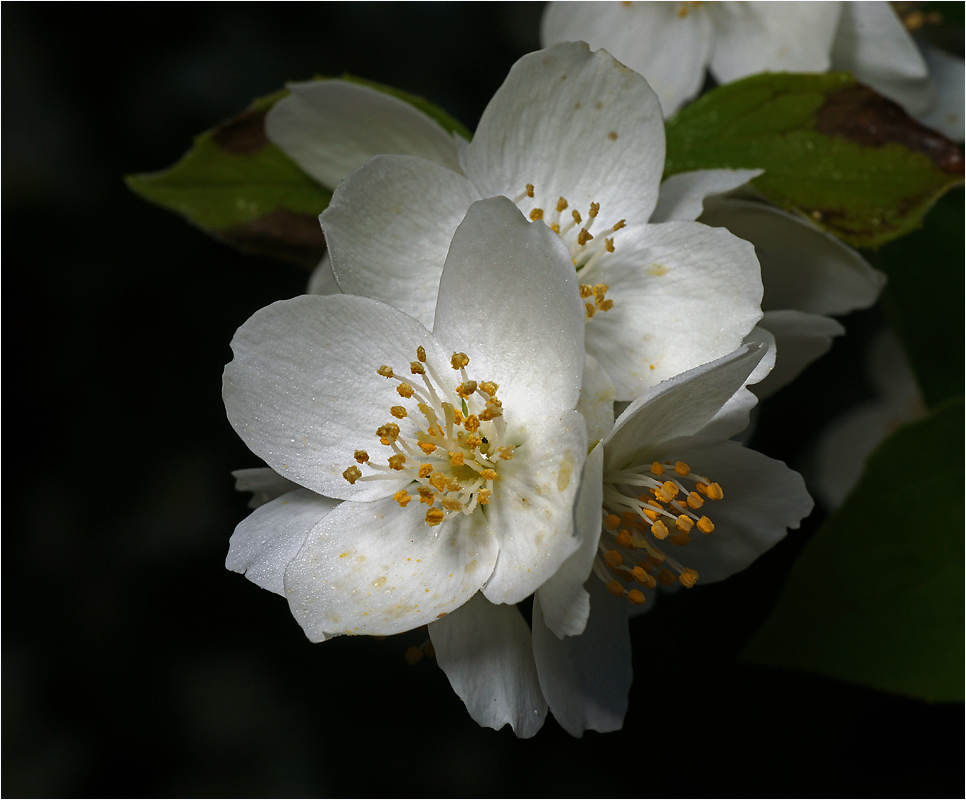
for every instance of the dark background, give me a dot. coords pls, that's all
(133, 662)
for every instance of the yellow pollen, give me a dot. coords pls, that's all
(466, 388)
(684, 523)
(529, 190)
(594, 210)
(361, 456)
(636, 596)
(607, 305)
(459, 360)
(506, 453)
(669, 489)
(561, 204)
(438, 481)
(611, 521)
(483, 496)
(536, 214)
(457, 416)
(352, 474)
(385, 371)
(454, 485)
(714, 492)
(624, 538)
(650, 514)
(398, 412)
(600, 289)
(416, 368)
(613, 559)
(688, 578)
(488, 475)
(555, 227)
(388, 433)
(705, 525)
(695, 500)
(576, 215)
(586, 290)
(657, 469)
(665, 577)
(426, 495)
(589, 310)
(425, 470)
(609, 245)
(434, 516)
(472, 423)
(615, 589)
(427, 447)
(421, 353)
(455, 458)
(620, 224)
(583, 237)
(405, 390)
(473, 441)
(682, 469)
(402, 497)
(397, 461)
(451, 505)
(659, 529)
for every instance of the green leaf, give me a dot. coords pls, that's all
(924, 298)
(831, 149)
(877, 596)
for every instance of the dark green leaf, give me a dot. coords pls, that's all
(877, 596)
(831, 149)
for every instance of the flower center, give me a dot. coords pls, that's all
(586, 248)
(644, 509)
(455, 441)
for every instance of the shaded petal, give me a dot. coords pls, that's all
(682, 195)
(801, 267)
(681, 406)
(734, 416)
(331, 127)
(946, 113)
(669, 49)
(322, 280)
(389, 227)
(763, 498)
(586, 678)
(265, 484)
(303, 393)
(758, 37)
(376, 568)
(267, 540)
(509, 299)
(596, 402)
(801, 339)
(486, 652)
(563, 599)
(574, 124)
(532, 510)
(683, 294)
(873, 44)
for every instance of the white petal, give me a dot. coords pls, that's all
(265, 484)
(683, 294)
(509, 299)
(757, 37)
(389, 227)
(734, 417)
(801, 267)
(486, 652)
(563, 599)
(267, 540)
(586, 678)
(376, 568)
(322, 280)
(946, 113)
(874, 45)
(597, 395)
(801, 339)
(762, 499)
(532, 509)
(574, 124)
(331, 127)
(682, 195)
(669, 49)
(681, 406)
(303, 393)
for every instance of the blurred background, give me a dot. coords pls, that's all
(133, 663)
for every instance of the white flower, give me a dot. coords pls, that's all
(577, 141)
(457, 454)
(672, 44)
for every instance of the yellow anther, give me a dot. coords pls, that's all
(455, 458)
(607, 305)
(619, 225)
(388, 433)
(536, 214)
(472, 423)
(466, 388)
(483, 496)
(438, 481)
(453, 485)
(659, 494)
(640, 574)
(665, 577)
(669, 489)
(425, 470)
(426, 495)
(427, 447)
(402, 497)
(650, 514)
(657, 468)
(688, 578)
(624, 538)
(492, 411)
(594, 209)
(589, 310)
(586, 290)
(397, 461)
(576, 215)
(488, 475)
(584, 236)
(506, 453)
(555, 227)
(681, 468)
(609, 245)
(361, 456)
(611, 521)
(405, 390)
(529, 190)
(561, 204)
(416, 368)
(434, 516)
(473, 441)
(459, 360)
(352, 474)
(457, 416)
(636, 596)
(489, 387)
(421, 353)
(695, 500)
(385, 371)
(450, 504)
(615, 589)
(684, 523)
(714, 492)
(659, 529)
(600, 289)
(705, 525)
(613, 559)
(398, 412)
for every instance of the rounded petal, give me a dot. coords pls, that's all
(801, 267)
(376, 568)
(532, 509)
(682, 195)
(669, 48)
(509, 299)
(322, 280)
(303, 392)
(681, 406)
(267, 540)
(586, 678)
(389, 227)
(573, 124)
(758, 37)
(683, 294)
(331, 127)
(762, 499)
(946, 113)
(265, 484)
(485, 651)
(800, 339)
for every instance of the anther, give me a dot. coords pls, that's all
(583, 237)
(421, 353)
(619, 225)
(684, 523)
(611, 521)
(434, 516)
(659, 529)
(402, 497)
(636, 596)
(657, 468)
(416, 368)
(398, 412)
(361, 456)
(529, 190)
(488, 475)
(536, 214)
(397, 461)
(594, 209)
(561, 205)
(665, 577)
(688, 578)
(682, 469)
(613, 559)
(695, 500)
(506, 453)
(466, 388)
(705, 525)
(425, 470)
(459, 360)
(385, 371)
(352, 474)
(624, 538)
(615, 589)
(455, 458)
(576, 215)
(609, 245)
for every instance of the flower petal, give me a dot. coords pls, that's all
(389, 227)
(682, 195)
(303, 393)
(946, 113)
(800, 339)
(586, 678)
(574, 124)
(801, 267)
(265, 484)
(670, 49)
(376, 568)
(763, 498)
(596, 402)
(532, 510)
(331, 127)
(509, 299)
(322, 280)
(267, 540)
(681, 406)
(486, 652)
(683, 294)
